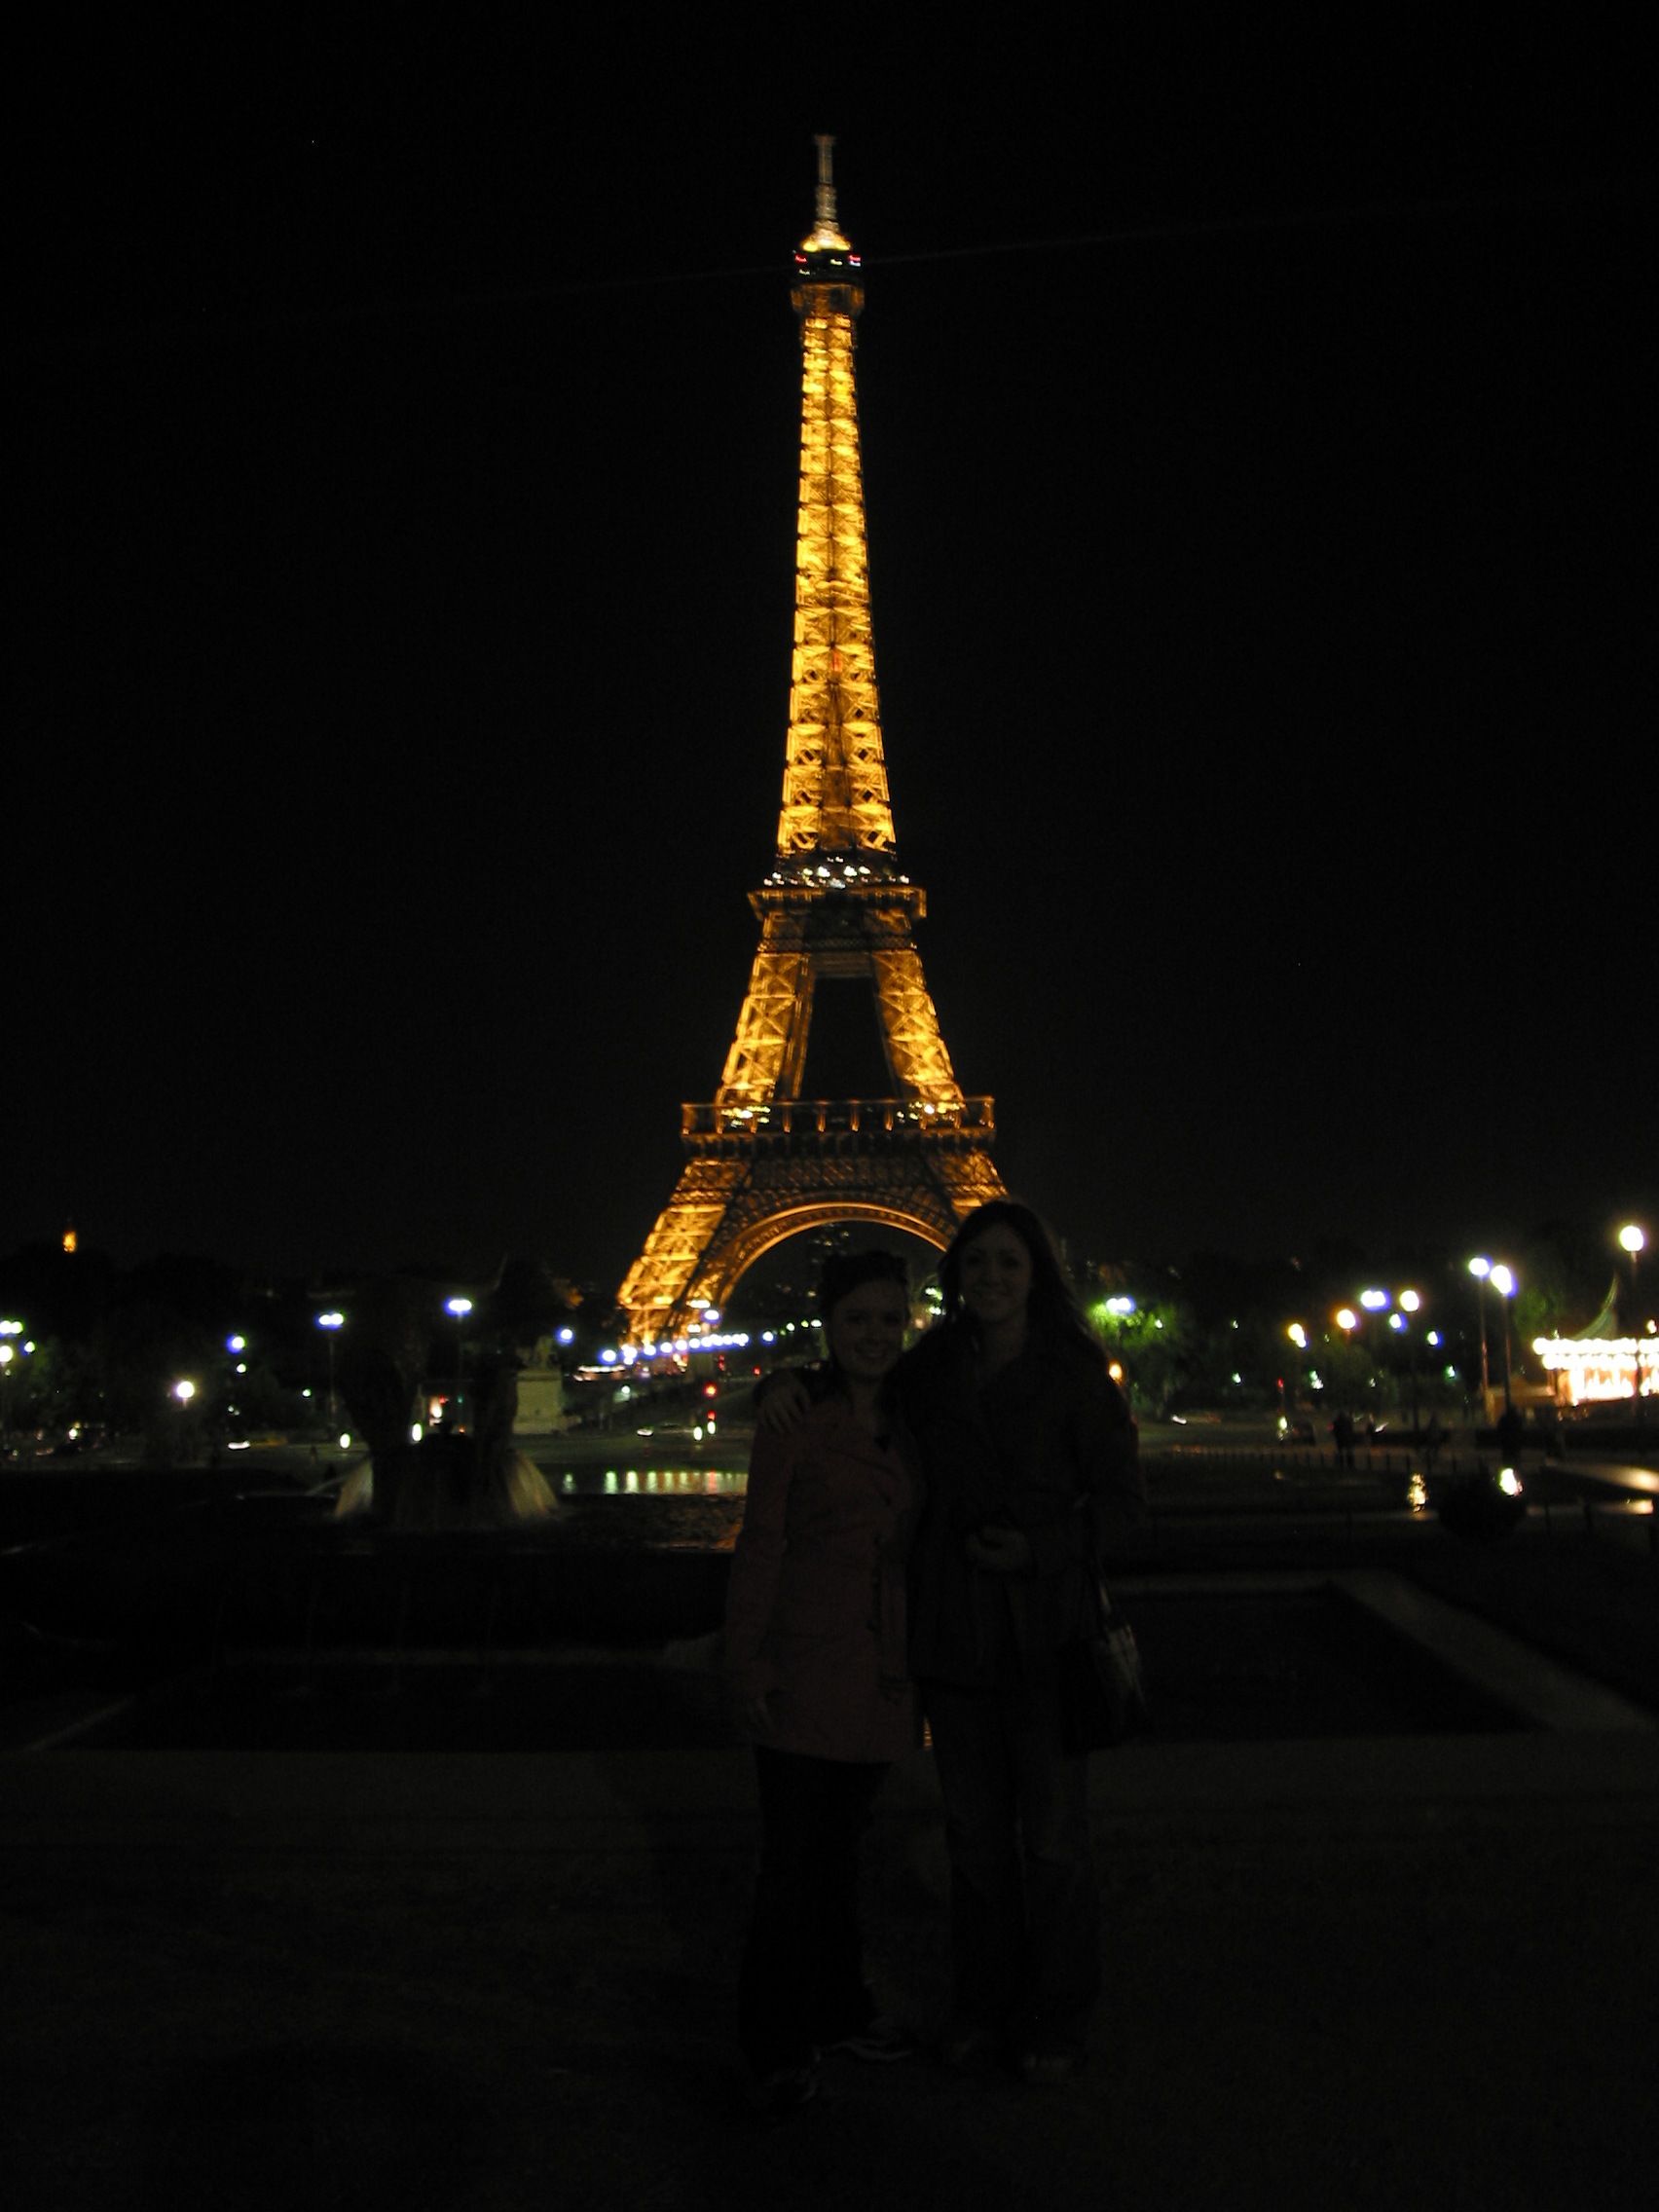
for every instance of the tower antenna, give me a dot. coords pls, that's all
(827, 222)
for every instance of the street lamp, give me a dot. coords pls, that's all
(1635, 1242)
(1480, 1269)
(461, 1308)
(1298, 1335)
(1503, 1282)
(329, 1323)
(1410, 1303)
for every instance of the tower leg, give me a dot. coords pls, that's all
(661, 1277)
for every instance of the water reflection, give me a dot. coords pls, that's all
(650, 1482)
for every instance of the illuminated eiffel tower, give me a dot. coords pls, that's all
(764, 1162)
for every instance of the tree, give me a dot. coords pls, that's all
(1152, 1342)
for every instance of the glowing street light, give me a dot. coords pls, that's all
(461, 1308)
(1409, 1302)
(1348, 1320)
(329, 1323)
(1480, 1269)
(1503, 1282)
(184, 1392)
(1298, 1335)
(1374, 1300)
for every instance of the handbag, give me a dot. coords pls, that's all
(1102, 1694)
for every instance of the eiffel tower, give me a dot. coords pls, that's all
(764, 1162)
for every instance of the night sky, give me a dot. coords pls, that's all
(401, 537)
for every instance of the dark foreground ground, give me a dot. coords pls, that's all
(1391, 1970)
(1410, 1972)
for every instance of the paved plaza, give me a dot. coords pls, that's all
(1391, 1970)
(1418, 1971)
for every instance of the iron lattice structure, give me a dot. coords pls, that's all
(763, 1162)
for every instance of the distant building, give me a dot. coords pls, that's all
(1602, 1366)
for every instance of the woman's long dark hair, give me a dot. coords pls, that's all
(1053, 1309)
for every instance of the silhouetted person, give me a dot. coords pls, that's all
(1511, 1434)
(1341, 1431)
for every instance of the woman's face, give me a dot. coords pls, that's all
(996, 1276)
(866, 1330)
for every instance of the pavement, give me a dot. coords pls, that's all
(1374, 1970)
(1381, 1971)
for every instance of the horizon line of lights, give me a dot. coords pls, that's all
(677, 1348)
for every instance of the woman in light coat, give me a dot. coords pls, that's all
(816, 1644)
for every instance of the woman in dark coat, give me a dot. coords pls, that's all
(1032, 1470)
(816, 1648)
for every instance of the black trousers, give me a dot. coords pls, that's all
(801, 1982)
(1024, 1913)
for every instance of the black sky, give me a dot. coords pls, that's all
(403, 450)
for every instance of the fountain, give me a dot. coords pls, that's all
(452, 1478)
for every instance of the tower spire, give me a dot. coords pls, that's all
(836, 812)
